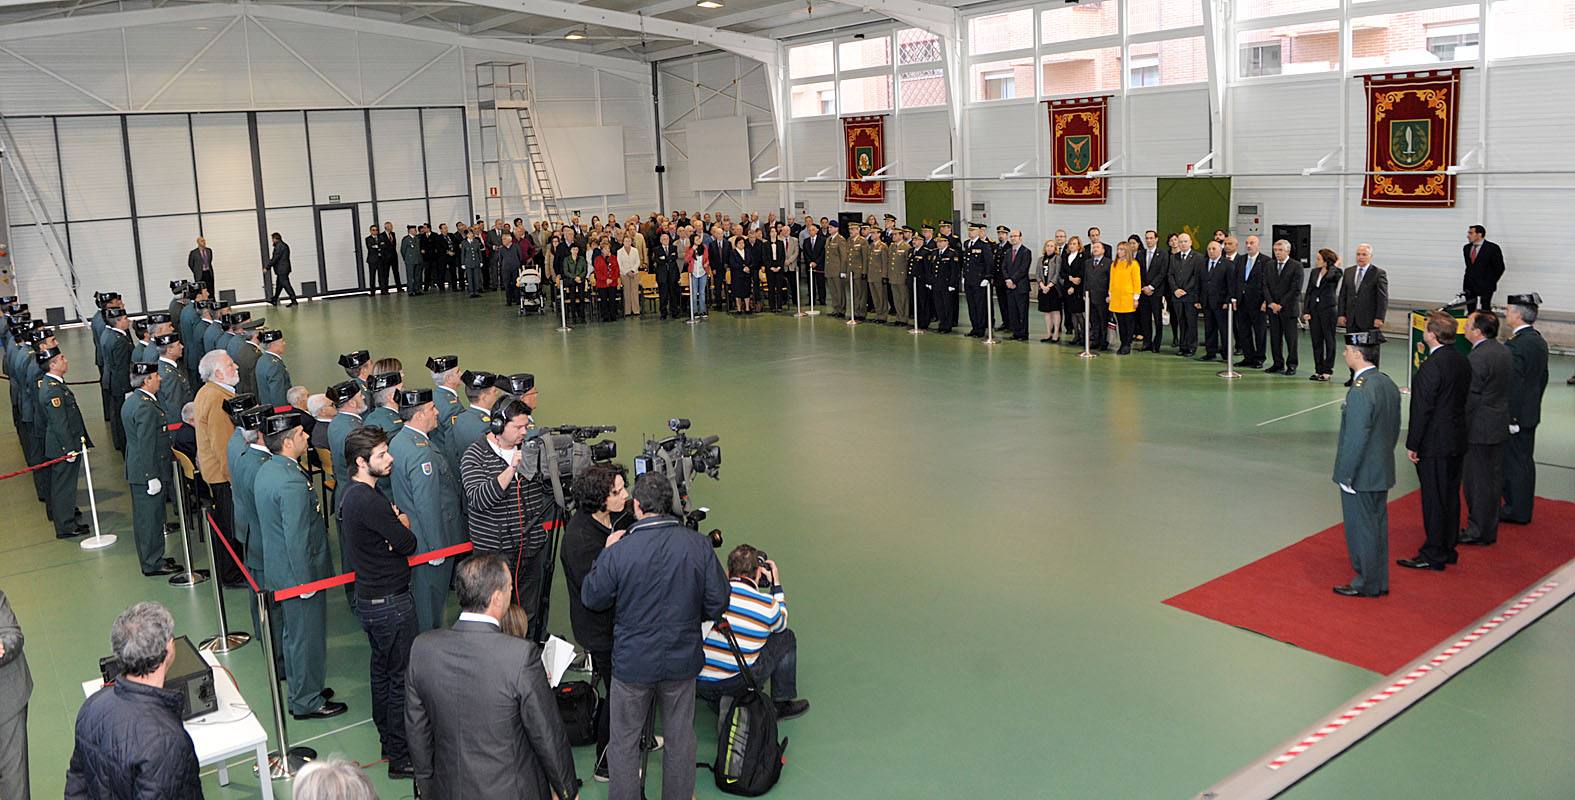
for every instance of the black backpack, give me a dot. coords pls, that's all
(749, 757)
(577, 706)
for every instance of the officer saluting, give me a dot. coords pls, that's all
(64, 432)
(1364, 464)
(293, 532)
(147, 467)
(428, 492)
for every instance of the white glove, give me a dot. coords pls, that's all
(1513, 428)
(154, 486)
(1347, 489)
(435, 562)
(307, 595)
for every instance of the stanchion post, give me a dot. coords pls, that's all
(99, 540)
(989, 315)
(225, 640)
(563, 312)
(191, 577)
(1229, 372)
(798, 300)
(282, 763)
(1088, 328)
(809, 277)
(915, 330)
(853, 316)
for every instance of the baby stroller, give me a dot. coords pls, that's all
(532, 296)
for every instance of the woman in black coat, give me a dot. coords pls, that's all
(776, 279)
(1320, 310)
(740, 273)
(1072, 291)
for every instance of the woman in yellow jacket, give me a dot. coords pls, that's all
(1126, 283)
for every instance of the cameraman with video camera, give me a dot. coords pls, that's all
(757, 612)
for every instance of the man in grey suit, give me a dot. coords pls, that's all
(16, 686)
(1184, 284)
(1364, 295)
(480, 717)
(1487, 428)
(1364, 465)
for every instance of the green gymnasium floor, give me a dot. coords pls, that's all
(975, 543)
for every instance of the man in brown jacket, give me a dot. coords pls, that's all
(219, 375)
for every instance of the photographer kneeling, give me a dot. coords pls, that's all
(757, 612)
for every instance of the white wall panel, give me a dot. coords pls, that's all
(105, 259)
(815, 147)
(452, 210)
(31, 91)
(444, 130)
(34, 140)
(237, 261)
(1170, 130)
(165, 243)
(1520, 221)
(224, 162)
(94, 160)
(575, 113)
(402, 213)
(298, 228)
(161, 166)
(1524, 129)
(1266, 139)
(281, 143)
(280, 78)
(338, 141)
(1002, 136)
(556, 80)
(396, 152)
(218, 79)
(155, 54)
(388, 62)
(37, 282)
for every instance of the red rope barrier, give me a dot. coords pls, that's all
(51, 462)
(226, 542)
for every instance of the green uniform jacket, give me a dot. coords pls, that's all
(211, 331)
(63, 426)
(147, 440)
(244, 466)
(859, 258)
(879, 256)
(144, 353)
(338, 428)
(98, 325)
(836, 257)
(471, 254)
(1369, 428)
(230, 343)
(897, 262)
(448, 410)
(273, 381)
(471, 426)
(116, 345)
(290, 526)
(174, 389)
(24, 375)
(410, 250)
(385, 418)
(426, 490)
(246, 356)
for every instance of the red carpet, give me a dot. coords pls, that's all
(1285, 595)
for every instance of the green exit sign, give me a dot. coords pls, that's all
(333, 198)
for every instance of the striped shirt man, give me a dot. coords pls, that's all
(753, 615)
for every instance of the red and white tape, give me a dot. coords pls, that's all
(1411, 677)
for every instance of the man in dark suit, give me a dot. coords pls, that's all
(1218, 273)
(1487, 428)
(1183, 282)
(1484, 266)
(16, 686)
(200, 262)
(480, 717)
(1530, 353)
(1283, 291)
(1364, 295)
(1018, 264)
(812, 255)
(376, 260)
(1096, 279)
(1436, 440)
(391, 253)
(1154, 263)
(1364, 465)
(1250, 299)
(279, 263)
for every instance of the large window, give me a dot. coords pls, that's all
(866, 73)
(813, 99)
(1081, 71)
(864, 95)
(1253, 9)
(922, 89)
(1289, 49)
(1531, 28)
(864, 53)
(1072, 23)
(1144, 16)
(916, 46)
(998, 33)
(1003, 80)
(810, 60)
(1386, 40)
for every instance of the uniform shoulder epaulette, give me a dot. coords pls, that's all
(1358, 384)
(486, 418)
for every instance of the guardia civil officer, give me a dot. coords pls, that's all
(272, 376)
(410, 251)
(292, 530)
(174, 388)
(25, 373)
(98, 324)
(351, 405)
(483, 393)
(64, 432)
(472, 254)
(116, 376)
(447, 383)
(358, 366)
(427, 491)
(1364, 464)
(385, 411)
(139, 339)
(147, 467)
(245, 463)
(1530, 353)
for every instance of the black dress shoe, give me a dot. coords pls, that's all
(1420, 563)
(1472, 541)
(76, 530)
(1273, 370)
(403, 769)
(169, 567)
(1289, 371)
(1019, 338)
(328, 709)
(1047, 340)
(1123, 351)
(1348, 590)
(1242, 363)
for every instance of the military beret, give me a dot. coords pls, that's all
(166, 339)
(144, 368)
(281, 423)
(442, 363)
(114, 313)
(356, 359)
(159, 317)
(47, 355)
(385, 380)
(1364, 338)
(833, 224)
(233, 404)
(270, 335)
(516, 384)
(252, 418)
(477, 380)
(1532, 300)
(341, 393)
(410, 398)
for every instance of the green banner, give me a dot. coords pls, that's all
(1195, 206)
(927, 202)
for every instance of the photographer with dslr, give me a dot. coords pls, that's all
(757, 612)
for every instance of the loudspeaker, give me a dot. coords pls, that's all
(661, 168)
(1300, 237)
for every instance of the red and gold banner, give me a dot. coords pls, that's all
(1077, 146)
(864, 138)
(1411, 121)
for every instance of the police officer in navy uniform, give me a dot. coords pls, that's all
(1364, 465)
(1529, 352)
(427, 491)
(64, 433)
(979, 260)
(921, 267)
(271, 375)
(294, 535)
(946, 279)
(147, 468)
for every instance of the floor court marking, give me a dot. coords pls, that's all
(1303, 411)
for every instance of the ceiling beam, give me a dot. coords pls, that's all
(755, 47)
(496, 21)
(649, 11)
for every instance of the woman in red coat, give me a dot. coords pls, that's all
(602, 261)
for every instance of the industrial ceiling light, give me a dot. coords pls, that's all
(709, 4)
(576, 34)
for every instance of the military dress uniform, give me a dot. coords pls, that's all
(385, 418)
(24, 376)
(428, 492)
(880, 295)
(116, 380)
(147, 466)
(1364, 469)
(291, 527)
(472, 254)
(978, 265)
(410, 251)
(448, 410)
(837, 273)
(1529, 352)
(946, 278)
(273, 379)
(246, 356)
(897, 258)
(921, 263)
(338, 428)
(98, 323)
(174, 389)
(858, 269)
(245, 464)
(64, 432)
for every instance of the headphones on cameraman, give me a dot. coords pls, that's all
(506, 410)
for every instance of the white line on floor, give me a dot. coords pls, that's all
(1299, 413)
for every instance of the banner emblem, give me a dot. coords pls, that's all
(1409, 142)
(1077, 153)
